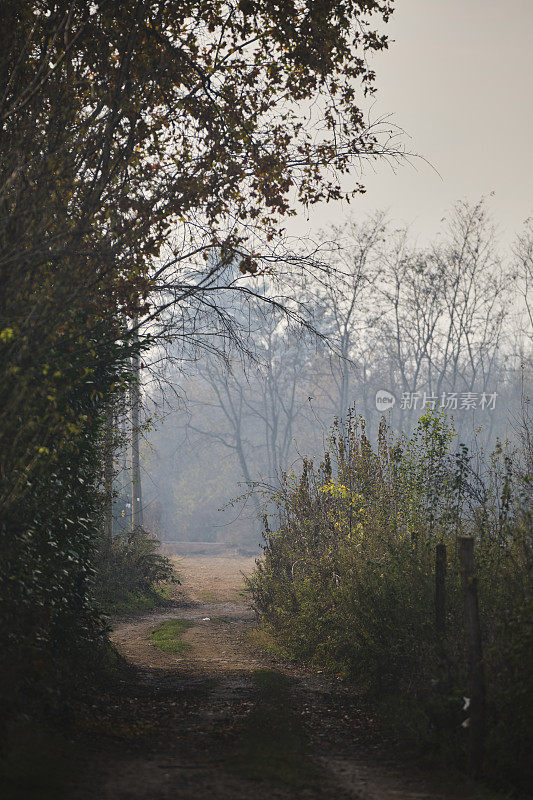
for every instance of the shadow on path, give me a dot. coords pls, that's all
(219, 720)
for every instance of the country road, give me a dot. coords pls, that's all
(224, 720)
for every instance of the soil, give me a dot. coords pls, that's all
(182, 725)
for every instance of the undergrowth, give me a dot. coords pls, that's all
(348, 583)
(132, 576)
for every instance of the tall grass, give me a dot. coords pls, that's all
(348, 582)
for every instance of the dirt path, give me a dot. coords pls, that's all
(213, 600)
(223, 720)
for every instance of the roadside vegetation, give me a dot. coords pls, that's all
(132, 575)
(348, 583)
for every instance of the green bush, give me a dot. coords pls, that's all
(348, 582)
(131, 572)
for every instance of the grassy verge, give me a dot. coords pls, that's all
(139, 602)
(167, 636)
(263, 638)
(272, 743)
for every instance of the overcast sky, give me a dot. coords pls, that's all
(458, 80)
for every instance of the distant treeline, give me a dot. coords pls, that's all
(404, 330)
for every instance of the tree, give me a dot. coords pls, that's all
(252, 408)
(120, 122)
(444, 311)
(345, 292)
(136, 486)
(523, 261)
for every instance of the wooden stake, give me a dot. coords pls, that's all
(476, 679)
(440, 589)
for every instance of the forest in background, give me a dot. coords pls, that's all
(447, 327)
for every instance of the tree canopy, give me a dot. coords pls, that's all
(120, 123)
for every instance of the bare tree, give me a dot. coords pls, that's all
(444, 313)
(344, 293)
(523, 275)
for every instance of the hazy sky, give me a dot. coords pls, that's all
(458, 80)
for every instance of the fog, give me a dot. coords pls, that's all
(241, 406)
(457, 80)
(388, 330)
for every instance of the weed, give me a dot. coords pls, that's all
(133, 575)
(263, 638)
(167, 636)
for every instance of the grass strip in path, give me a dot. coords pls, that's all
(167, 636)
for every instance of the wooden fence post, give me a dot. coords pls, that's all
(440, 589)
(476, 678)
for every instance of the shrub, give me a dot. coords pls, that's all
(131, 571)
(347, 581)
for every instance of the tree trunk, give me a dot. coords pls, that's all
(440, 590)
(108, 476)
(136, 488)
(246, 474)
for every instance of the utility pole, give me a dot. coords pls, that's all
(108, 475)
(135, 395)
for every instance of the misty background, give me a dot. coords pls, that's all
(428, 300)
(445, 327)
